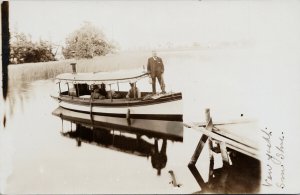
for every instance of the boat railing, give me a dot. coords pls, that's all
(85, 92)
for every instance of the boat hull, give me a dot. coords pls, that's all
(166, 108)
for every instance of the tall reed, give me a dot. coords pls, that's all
(48, 70)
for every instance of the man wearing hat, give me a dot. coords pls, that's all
(155, 68)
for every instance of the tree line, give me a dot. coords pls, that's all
(86, 42)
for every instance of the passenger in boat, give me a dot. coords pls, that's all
(159, 158)
(111, 94)
(102, 90)
(155, 68)
(95, 94)
(116, 95)
(133, 92)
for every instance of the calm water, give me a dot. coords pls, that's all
(38, 159)
(42, 160)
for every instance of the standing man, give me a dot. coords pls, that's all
(159, 158)
(155, 68)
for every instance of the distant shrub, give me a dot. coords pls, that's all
(23, 50)
(87, 42)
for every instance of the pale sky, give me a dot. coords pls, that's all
(148, 23)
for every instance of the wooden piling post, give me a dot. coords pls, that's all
(198, 150)
(192, 163)
(211, 160)
(207, 115)
(209, 127)
(210, 134)
(224, 153)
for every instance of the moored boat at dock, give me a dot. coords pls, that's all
(78, 99)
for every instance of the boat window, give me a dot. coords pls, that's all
(63, 88)
(82, 89)
(79, 89)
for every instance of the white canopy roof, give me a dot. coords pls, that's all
(129, 76)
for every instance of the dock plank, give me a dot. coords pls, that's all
(237, 136)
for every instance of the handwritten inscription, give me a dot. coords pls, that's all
(275, 159)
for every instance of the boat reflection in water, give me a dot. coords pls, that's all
(137, 137)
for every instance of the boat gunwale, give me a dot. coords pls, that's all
(109, 103)
(164, 117)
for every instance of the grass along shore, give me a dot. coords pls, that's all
(124, 60)
(48, 70)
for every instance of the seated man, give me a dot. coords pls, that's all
(102, 90)
(133, 92)
(96, 94)
(110, 94)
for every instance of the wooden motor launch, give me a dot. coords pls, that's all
(79, 100)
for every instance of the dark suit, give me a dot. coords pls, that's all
(156, 69)
(159, 158)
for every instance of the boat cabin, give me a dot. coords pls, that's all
(101, 85)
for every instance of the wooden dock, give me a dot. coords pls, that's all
(235, 135)
(238, 136)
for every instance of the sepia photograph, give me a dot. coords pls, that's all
(150, 97)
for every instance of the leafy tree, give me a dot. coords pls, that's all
(87, 42)
(23, 50)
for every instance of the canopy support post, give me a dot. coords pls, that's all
(91, 111)
(59, 88)
(68, 88)
(111, 99)
(134, 90)
(77, 89)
